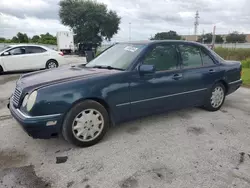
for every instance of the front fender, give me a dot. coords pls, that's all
(57, 99)
(108, 90)
(2, 64)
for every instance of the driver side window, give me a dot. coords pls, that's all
(17, 51)
(163, 57)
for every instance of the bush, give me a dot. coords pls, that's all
(246, 76)
(245, 63)
(98, 53)
(238, 54)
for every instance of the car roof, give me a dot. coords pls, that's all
(33, 45)
(160, 41)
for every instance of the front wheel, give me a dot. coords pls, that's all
(216, 97)
(1, 69)
(85, 124)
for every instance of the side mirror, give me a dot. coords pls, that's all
(146, 69)
(5, 53)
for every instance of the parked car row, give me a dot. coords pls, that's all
(127, 81)
(29, 57)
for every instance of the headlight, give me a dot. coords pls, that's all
(31, 100)
(25, 100)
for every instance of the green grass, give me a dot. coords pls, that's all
(245, 63)
(246, 76)
(238, 54)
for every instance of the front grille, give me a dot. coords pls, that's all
(16, 96)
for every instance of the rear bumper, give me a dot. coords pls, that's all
(43, 127)
(233, 86)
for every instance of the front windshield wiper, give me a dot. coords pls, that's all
(107, 67)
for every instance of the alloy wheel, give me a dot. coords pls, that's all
(217, 97)
(52, 65)
(88, 125)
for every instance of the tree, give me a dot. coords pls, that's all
(236, 37)
(208, 37)
(2, 39)
(15, 40)
(219, 39)
(35, 38)
(47, 39)
(90, 21)
(22, 37)
(166, 35)
(7, 41)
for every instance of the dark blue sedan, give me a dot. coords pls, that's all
(126, 81)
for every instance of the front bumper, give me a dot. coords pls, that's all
(43, 127)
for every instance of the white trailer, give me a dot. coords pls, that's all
(65, 42)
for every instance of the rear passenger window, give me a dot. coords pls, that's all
(190, 56)
(206, 59)
(34, 50)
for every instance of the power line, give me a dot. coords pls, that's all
(129, 31)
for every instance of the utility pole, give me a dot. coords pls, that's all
(203, 37)
(214, 37)
(196, 24)
(129, 31)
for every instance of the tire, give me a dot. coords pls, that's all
(51, 64)
(92, 129)
(215, 104)
(1, 69)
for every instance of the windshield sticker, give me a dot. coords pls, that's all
(130, 48)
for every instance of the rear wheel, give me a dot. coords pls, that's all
(216, 97)
(85, 124)
(51, 64)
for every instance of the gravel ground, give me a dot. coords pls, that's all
(187, 148)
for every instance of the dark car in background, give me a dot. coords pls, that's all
(127, 81)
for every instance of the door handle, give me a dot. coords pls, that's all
(177, 76)
(211, 71)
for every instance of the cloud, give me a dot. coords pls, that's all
(10, 25)
(147, 17)
(47, 9)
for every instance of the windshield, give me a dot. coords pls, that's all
(120, 56)
(4, 48)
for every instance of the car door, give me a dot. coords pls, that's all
(161, 90)
(199, 72)
(37, 57)
(15, 60)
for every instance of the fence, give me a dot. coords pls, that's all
(233, 45)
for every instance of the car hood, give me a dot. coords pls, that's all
(65, 73)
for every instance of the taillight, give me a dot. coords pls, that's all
(61, 54)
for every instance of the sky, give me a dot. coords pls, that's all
(147, 17)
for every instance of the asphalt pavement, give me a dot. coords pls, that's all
(181, 149)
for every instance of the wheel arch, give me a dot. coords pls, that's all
(224, 84)
(1, 69)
